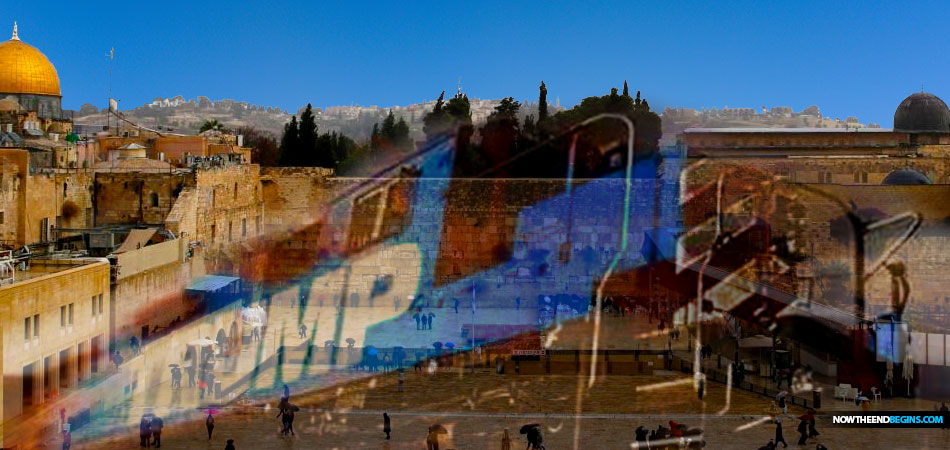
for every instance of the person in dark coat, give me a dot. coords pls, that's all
(431, 319)
(425, 322)
(286, 415)
(209, 424)
(802, 432)
(387, 427)
(230, 445)
(779, 437)
(418, 319)
(812, 432)
(145, 432)
(641, 435)
(156, 427)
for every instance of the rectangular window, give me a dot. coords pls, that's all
(213, 227)
(70, 313)
(26, 329)
(100, 303)
(257, 224)
(229, 230)
(36, 325)
(93, 306)
(243, 227)
(1, 217)
(62, 316)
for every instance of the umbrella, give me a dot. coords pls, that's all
(526, 428)
(212, 411)
(204, 342)
(372, 351)
(439, 429)
(173, 365)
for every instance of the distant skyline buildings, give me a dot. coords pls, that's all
(851, 61)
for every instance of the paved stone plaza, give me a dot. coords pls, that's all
(475, 408)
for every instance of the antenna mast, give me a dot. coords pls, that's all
(109, 115)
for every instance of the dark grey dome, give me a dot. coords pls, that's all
(906, 176)
(922, 112)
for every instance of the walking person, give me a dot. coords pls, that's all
(812, 431)
(209, 424)
(286, 415)
(230, 445)
(456, 305)
(779, 437)
(782, 403)
(425, 322)
(431, 319)
(802, 431)
(191, 375)
(505, 440)
(201, 388)
(67, 439)
(156, 427)
(387, 426)
(302, 331)
(117, 360)
(418, 319)
(145, 432)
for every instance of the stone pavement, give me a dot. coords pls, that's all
(475, 408)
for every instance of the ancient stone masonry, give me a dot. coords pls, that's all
(137, 198)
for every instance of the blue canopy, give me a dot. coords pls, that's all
(211, 283)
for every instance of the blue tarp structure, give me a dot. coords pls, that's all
(211, 283)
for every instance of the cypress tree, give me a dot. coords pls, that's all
(308, 139)
(542, 104)
(626, 93)
(289, 144)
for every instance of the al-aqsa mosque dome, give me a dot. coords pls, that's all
(922, 112)
(29, 78)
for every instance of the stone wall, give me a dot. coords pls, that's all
(13, 173)
(135, 198)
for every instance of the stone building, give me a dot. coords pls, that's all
(55, 339)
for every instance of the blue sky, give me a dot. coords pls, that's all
(848, 58)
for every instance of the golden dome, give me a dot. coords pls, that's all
(26, 70)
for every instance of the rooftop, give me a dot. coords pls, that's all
(40, 267)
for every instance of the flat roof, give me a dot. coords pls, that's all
(787, 130)
(40, 267)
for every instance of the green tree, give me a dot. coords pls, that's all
(392, 134)
(212, 124)
(507, 109)
(647, 123)
(436, 121)
(500, 139)
(446, 116)
(626, 93)
(289, 144)
(542, 104)
(263, 145)
(307, 140)
(401, 135)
